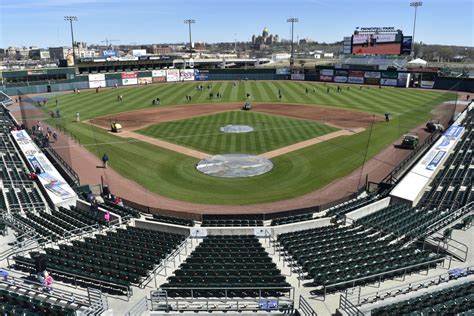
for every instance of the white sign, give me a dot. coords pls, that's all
(327, 72)
(373, 38)
(138, 52)
(186, 74)
(129, 81)
(158, 73)
(172, 75)
(97, 80)
(59, 192)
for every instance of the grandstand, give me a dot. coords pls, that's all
(309, 260)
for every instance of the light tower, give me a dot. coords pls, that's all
(415, 4)
(71, 18)
(189, 22)
(292, 21)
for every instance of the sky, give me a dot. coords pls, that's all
(41, 22)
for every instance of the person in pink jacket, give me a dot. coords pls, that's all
(48, 282)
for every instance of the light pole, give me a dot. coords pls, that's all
(189, 22)
(71, 18)
(415, 4)
(292, 21)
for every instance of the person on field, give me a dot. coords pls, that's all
(387, 117)
(105, 160)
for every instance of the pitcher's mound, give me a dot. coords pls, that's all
(234, 165)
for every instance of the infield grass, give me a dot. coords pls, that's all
(294, 174)
(270, 132)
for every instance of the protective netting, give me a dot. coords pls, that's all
(234, 165)
(236, 129)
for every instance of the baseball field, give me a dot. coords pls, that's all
(314, 135)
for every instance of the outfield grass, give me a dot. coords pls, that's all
(294, 174)
(271, 132)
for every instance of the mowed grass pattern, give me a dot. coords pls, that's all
(270, 132)
(294, 174)
(368, 99)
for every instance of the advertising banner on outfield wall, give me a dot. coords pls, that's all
(340, 79)
(297, 76)
(282, 71)
(372, 74)
(145, 80)
(97, 81)
(57, 189)
(388, 82)
(159, 79)
(426, 84)
(186, 74)
(172, 75)
(374, 81)
(327, 72)
(325, 78)
(389, 75)
(359, 80)
(341, 73)
(129, 78)
(403, 79)
(356, 73)
(158, 73)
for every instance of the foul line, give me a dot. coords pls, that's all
(310, 142)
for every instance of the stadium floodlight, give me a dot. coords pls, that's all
(71, 18)
(292, 21)
(415, 4)
(189, 22)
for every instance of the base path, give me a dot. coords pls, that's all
(310, 142)
(164, 144)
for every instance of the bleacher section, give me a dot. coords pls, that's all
(121, 258)
(291, 219)
(350, 206)
(231, 220)
(221, 262)
(402, 220)
(450, 301)
(123, 211)
(171, 220)
(333, 255)
(453, 185)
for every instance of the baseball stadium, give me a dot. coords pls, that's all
(149, 187)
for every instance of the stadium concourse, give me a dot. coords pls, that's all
(397, 248)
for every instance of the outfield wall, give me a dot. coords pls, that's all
(429, 80)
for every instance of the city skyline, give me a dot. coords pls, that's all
(35, 23)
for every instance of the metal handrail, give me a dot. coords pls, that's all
(348, 307)
(379, 275)
(126, 289)
(305, 307)
(458, 213)
(57, 294)
(162, 266)
(396, 290)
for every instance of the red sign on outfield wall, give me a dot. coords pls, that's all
(129, 75)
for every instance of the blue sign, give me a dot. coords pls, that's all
(445, 142)
(454, 131)
(201, 77)
(109, 53)
(436, 160)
